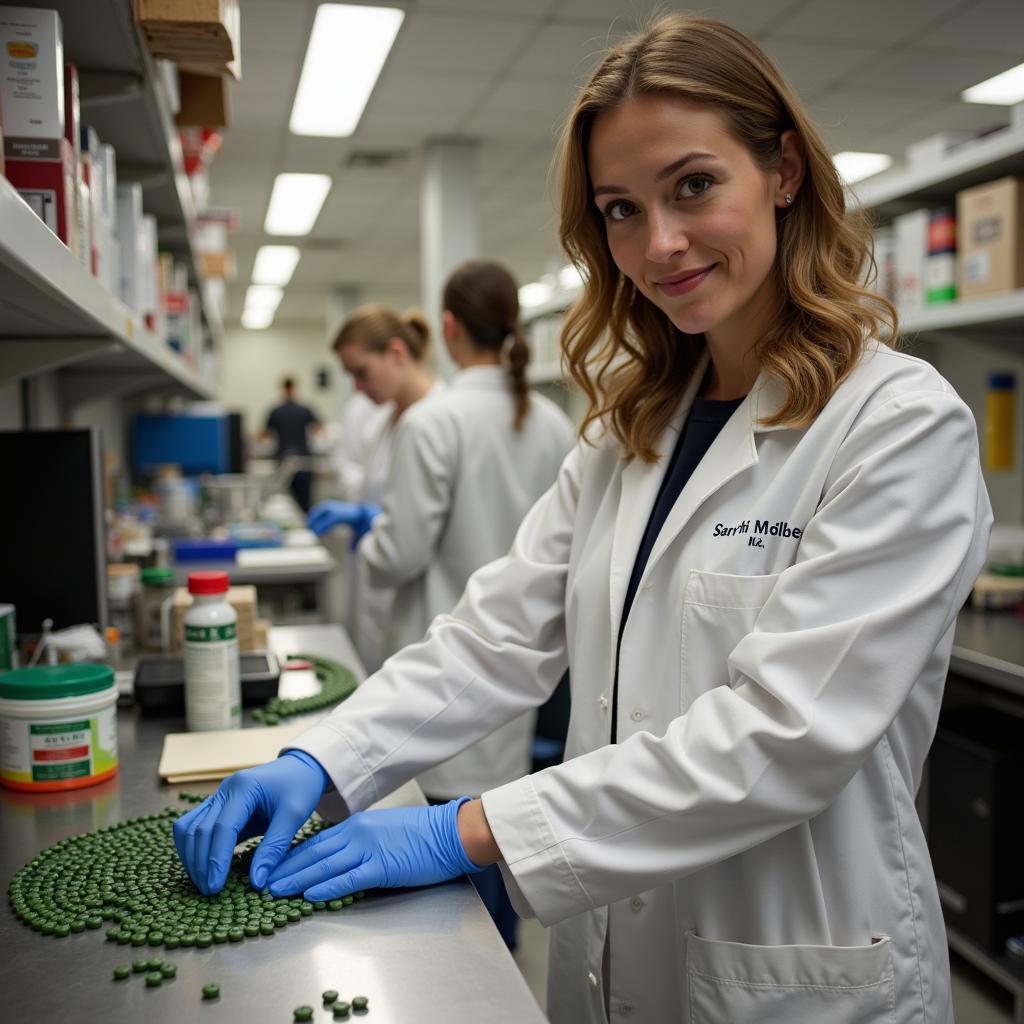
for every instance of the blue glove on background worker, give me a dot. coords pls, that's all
(273, 800)
(396, 847)
(359, 515)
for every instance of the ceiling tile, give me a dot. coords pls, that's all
(566, 52)
(911, 72)
(747, 16)
(273, 27)
(810, 67)
(443, 43)
(863, 21)
(996, 26)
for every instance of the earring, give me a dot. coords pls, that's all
(789, 198)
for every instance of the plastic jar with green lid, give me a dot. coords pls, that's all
(58, 727)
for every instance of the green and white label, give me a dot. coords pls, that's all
(213, 698)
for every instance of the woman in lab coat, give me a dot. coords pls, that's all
(384, 355)
(757, 662)
(465, 470)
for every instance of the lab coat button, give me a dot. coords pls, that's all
(603, 701)
(592, 978)
(636, 903)
(636, 714)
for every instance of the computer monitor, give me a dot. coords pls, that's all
(52, 531)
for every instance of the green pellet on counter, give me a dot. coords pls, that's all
(340, 1009)
(168, 970)
(303, 1013)
(122, 971)
(154, 979)
(336, 684)
(360, 1002)
(330, 996)
(128, 876)
(211, 991)
(140, 966)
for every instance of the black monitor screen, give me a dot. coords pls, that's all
(52, 546)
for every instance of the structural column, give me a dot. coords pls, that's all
(449, 225)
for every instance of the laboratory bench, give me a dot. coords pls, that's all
(420, 955)
(987, 666)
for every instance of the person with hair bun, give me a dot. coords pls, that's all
(384, 354)
(752, 563)
(465, 468)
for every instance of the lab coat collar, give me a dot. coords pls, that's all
(486, 376)
(732, 452)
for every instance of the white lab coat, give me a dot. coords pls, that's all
(363, 470)
(462, 479)
(749, 849)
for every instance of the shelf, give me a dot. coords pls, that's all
(902, 189)
(55, 315)
(123, 99)
(991, 317)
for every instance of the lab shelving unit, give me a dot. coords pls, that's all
(54, 316)
(995, 320)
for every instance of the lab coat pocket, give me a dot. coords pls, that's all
(741, 984)
(718, 611)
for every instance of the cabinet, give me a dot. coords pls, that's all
(54, 316)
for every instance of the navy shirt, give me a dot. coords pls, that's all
(290, 421)
(706, 419)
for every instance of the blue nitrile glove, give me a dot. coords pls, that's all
(359, 516)
(396, 847)
(273, 800)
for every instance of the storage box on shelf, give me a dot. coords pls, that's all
(202, 35)
(906, 198)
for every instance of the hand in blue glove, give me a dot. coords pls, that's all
(273, 800)
(396, 847)
(325, 515)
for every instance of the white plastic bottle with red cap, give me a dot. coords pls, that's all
(213, 696)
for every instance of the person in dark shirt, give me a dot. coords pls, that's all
(291, 422)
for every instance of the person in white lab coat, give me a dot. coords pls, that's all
(466, 468)
(758, 641)
(384, 354)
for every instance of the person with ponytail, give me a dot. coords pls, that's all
(384, 353)
(466, 467)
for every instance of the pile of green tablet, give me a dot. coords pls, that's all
(129, 876)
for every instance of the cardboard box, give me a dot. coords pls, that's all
(47, 183)
(217, 264)
(32, 73)
(200, 35)
(911, 250)
(990, 238)
(149, 274)
(204, 101)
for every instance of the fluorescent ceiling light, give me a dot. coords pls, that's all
(534, 293)
(347, 49)
(295, 203)
(275, 264)
(1004, 90)
(569, 278)
(855, 166)
(257, 319)
(263, 296)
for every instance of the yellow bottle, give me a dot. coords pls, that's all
(999, 428)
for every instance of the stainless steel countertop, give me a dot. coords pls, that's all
(420, 955)
(989, 647)
(283, 572)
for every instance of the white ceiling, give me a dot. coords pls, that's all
(877, 75)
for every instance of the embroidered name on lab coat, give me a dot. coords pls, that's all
(762, 528)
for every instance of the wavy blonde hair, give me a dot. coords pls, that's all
(630, 360)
